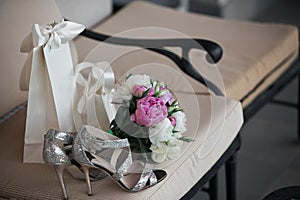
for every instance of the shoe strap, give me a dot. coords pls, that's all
(146, 176)
(95, 145)
(124, 167)
(98, 145)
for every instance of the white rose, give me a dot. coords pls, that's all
(165, 151)
(180, 123)
(162, 132)
(127, 88)
(117, 98)
(124, 92)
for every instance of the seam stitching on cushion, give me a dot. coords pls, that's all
(269, 74)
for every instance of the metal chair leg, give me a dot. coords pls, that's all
(213, 187)
(298, 108)
(230, 170)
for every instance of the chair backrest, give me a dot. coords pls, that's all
(16, 19)
(86, 12)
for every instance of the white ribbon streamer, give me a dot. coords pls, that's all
(94, 83)
(51, 83)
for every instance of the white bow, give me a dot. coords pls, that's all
(55, 34)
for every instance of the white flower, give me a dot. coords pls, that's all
(117, 98)
(174, 148)
(162, 132)
(180, 123)
(159, 154)
(166, 150)
(164, 144)
(125, 90)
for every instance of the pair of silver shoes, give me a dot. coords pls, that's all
(94, 152)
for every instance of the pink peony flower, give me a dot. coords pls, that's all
(172, 120)
(167, 97)
(151, 92)
(150, 111)
(138, 90)
(132, 117)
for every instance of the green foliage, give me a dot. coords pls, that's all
(137, 137)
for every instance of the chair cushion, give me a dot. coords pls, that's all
(255, 54)
(220, 121)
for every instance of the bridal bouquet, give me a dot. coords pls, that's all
(150, 117)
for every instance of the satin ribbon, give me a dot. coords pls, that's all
(51, 81)
(55, 34)
(94, 84)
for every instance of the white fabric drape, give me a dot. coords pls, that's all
(51, 83)
(94, 83)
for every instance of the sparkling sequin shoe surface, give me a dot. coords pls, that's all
(88, 150)
(56, 143)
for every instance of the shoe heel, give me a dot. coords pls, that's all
(59, 171)
(86, 169)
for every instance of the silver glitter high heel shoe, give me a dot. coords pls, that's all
(88, 150)
(56, 143)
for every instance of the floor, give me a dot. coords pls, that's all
(270, 154)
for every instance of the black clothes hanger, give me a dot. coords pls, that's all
(213, 49)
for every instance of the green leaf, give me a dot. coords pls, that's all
(186, 139)
(146, 93)
(172, 110)
(132, 105)
(156, 89)
(125, 124)
(127, 76)
(175, 104)
(160, 93)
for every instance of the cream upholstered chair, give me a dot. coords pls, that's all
(258, 58)
(246, 72)
(37, 181)
(17, 17)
